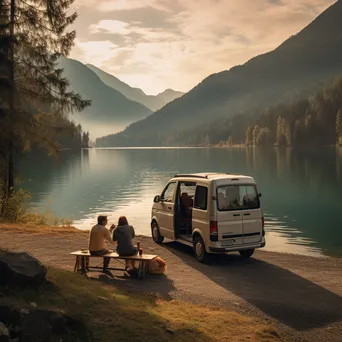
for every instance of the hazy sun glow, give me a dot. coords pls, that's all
(159, 44)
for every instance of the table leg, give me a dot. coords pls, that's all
(83, 263)
(140, 269)
(76, 265)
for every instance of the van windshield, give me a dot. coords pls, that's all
(237, 197)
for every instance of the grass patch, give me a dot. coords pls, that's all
(40, 229)
(113, 315)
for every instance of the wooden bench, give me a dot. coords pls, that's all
(81, 261)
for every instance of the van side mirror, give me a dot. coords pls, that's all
(156, 199)
(259, 194)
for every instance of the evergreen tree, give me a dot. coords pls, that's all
(256, 133)
(279, 130)
(206, 141)
(230, 141)
(38, 36)
(249, 136)
(338, 125)
(288, 136)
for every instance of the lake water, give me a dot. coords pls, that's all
(301, 191)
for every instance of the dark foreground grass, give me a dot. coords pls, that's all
(113, 315)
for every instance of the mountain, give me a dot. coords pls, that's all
(150, 101)
(299, 65)
(110, 110)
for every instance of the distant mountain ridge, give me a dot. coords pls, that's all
(308, 58)
(153, 102)
(109, 107)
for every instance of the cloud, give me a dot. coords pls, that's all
(178, 43)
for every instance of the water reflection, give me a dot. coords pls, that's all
(301, 190)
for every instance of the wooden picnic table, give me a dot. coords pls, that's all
(81, 261)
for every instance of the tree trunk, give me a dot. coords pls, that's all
(10, 181)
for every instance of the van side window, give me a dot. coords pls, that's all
(167, 195)
(249, 197)
(201, 196)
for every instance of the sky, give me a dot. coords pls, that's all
(160, 44)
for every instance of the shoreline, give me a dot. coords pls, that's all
(32, 228)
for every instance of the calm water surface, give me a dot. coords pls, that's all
(301, 191)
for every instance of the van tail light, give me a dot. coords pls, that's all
(213, 231)
(263, 226)
(213, 227)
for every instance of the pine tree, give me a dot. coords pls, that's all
(288, 136)
(249, 136)
(338, 125)
(206, 141)
(38, 36)
(256, 133)
(230, 141)
(279, 130)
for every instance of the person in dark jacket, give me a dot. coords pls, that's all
(123, 234)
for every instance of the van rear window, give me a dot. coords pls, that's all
(237, 197)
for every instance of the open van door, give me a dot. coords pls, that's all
(165, 211)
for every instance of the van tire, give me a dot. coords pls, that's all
(247, 253)
(157, 238)
(201, 254)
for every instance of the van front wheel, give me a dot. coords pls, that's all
(247, 253)
(157, 238)
(201, 254)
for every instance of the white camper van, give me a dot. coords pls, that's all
(212, 212)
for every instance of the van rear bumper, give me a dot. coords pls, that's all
(236, 249)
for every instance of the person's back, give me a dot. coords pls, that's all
(97, 237)
(123, 234)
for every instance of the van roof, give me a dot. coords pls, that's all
(214, 176)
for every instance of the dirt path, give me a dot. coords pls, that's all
(301, 295)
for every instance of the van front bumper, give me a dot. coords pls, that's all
(236, 248)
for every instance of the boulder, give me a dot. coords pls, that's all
(4, 333)
(21, 270)
(29, 324)
(41, 325)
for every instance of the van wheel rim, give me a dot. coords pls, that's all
(199, 249)
(155, 233)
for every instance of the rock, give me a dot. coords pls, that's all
(21, 270)
(40, 325)
(33, 304)
(4, 333)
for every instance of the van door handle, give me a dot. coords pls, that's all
(247, 214)
(236, 214)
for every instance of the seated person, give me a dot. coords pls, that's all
(186, 203)
(123, 234)
(97, 236)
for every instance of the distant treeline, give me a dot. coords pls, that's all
(315, 120)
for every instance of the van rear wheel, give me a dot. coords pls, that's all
(157, 238)
(201, 254)
(247, 253)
